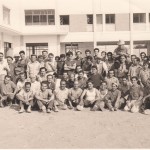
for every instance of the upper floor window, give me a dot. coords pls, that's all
(139, 18)
(99, 19)
(89, 19)
(110, 18)
(40, 17)
(64, 20)
(6, 15)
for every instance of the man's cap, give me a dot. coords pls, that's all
(121, 42)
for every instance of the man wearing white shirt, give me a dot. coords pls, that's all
(33, 67)
(4, 68)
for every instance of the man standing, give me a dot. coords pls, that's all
(4, 68)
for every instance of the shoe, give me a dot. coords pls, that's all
(56, 109)
(29, 110)
(21, 110)
(111, 109)
(115, 109)
(1, 104)
(43, 109)
(146, 112)
(79, 108)
(48, 111)
(95, 108)
(64, 107)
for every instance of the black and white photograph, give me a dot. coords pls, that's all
(74, 74)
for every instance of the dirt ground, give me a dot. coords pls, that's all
(73, 129)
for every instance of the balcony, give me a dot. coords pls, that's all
(45, 30)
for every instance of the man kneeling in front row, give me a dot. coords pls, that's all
(25, 97)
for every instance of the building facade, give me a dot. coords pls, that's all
(59, 26)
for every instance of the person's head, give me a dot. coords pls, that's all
(109, 55)
(134, 80)
(62, 84)
(7, 79)
(9, 59)
(45, 54)
(103, 85)
(80, 74)
(43, 71)
(124, 80)
(89, 84)
(136, 61)
(76, 84)
(111, 73)
(1, 56)
(78, 68)
(33, 58)
(43, 85)
(57, 58)
(94, 69)
(87, 52)
(148, 82)
(133, 58)
(22, 54)
(96, 51)
(16, 57)
(69, 55)
(89, 59)
(145, 65)
(122, 58)
(103, 54)
(50, 56)
(114, 86)
(40, 58)
(27, 86)
(78, 53)
(62, 57)
(22, 76)
(49, 78)
(65, 75)
(33, 78)
(98, 60)
(142, 55)
(121, 43)
(72, 77)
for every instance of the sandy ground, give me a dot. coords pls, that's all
(73, 129)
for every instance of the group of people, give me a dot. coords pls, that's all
(99, 80)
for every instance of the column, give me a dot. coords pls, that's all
(147, 21)
(94, 25)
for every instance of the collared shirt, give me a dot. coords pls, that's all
(47, 94)
(62, 95)
(35, 86)
(110, 64)
(144, 75)
(122, 70)
(7, 88)
(50, 66)
(110, 81)
(113, 95)
(134, 70)
(136, 92)
(3, 65)
(20, 84)
(33, 68)
(75, 93)
(51, 85)
(125, 89)
(82, 82)
(42, 78)
(102, 67)
(78, 61)
(26, 95)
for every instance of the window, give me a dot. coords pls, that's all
(139, 18)
(40, 17)
(72, 47)
(110, 18)
(89, 19)
(64, 20)
(7, 46)
(99, 19)
(6, 15)
(36, 48)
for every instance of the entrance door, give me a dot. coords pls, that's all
(36, 48)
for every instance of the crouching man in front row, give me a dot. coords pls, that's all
(25, 97)
(45, 98)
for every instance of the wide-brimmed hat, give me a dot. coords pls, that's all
(121, 42)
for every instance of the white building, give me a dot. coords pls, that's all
(62, 25)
